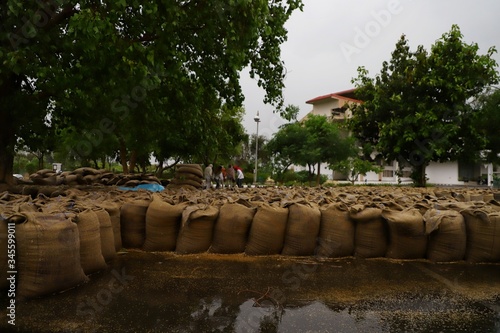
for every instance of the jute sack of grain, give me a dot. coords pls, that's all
(162, 225)
(302, 229)
(48, 254)
(483, 235)
(371, 235)
(336, 235)
(462, 197)
(267, 232)
(456, 206)
(447, 236)
(184, 176)
(91, 257)
(232, 228)
(133, 223)
(194, 169)
(487, 197)
(106, 231)
(4, 283)
(113, 209)
(407, 237)
(196, 231)
(476, 196)
(189, 182)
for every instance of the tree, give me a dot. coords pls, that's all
(222, 136)
(355, 166)
(126, 68)
(417, 109)
(310, 143)
(488, 105)
(285, 147)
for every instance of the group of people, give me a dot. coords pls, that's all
(229, 177)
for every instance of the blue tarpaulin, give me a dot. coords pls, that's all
(147, 187)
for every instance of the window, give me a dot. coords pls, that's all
(468, 171)
(388, 174)
(406, 174)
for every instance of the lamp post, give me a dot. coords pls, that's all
(257, 120)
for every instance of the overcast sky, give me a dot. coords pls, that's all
(329, 39)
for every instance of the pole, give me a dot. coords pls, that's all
(257, 120)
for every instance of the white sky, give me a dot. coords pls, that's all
(317, 65)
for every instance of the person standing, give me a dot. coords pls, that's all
(208, 176)
(219, 178)
(230, 176)
(223, 175)
(239, 177)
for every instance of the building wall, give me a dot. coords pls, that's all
(443, 173)
(324, 108)
(437, 173)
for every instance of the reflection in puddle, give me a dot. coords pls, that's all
(240, 294)
(315, 317)
(416, 316)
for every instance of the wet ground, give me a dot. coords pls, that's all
(164, 292)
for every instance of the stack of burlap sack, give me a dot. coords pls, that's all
(61, 240)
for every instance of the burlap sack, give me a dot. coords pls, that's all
(336, 235)
(422, 206)
(302, 230)
(476, 197)
(188, 176)
(3, 251)
(196, 231)
(106, 232)
(113, 209)
(48, 254)
(407, 237)
(194, 169)
(232, 228)
(447, 236)
(371, 235)
(91, 256)
(267, 232)
(133, 223)
(162, 225)
(456, 206)
(483, 235)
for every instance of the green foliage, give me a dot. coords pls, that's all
(417, 109)
(310, 143)
(302, 178)
(354, 166)
(488, 106)
(126, 76)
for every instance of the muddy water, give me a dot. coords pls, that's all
(163, 292)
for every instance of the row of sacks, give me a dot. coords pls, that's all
(304, 229)
(84, 230)
(56, 246)
(88, 176)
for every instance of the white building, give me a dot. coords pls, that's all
(335, 107)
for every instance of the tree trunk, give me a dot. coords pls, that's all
(6, 164)
(159, 170)
(419, 176)
(40, 161)
(309, 175)
(318, 178)
(103, 159)
(123, 156)
(133, 161)
(7, 132)
(7, 142)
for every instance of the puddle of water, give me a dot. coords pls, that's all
(143, 292)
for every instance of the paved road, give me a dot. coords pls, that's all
(163, 292)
